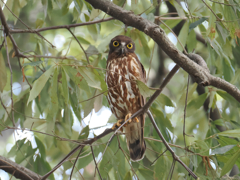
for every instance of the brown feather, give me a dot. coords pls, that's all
(124, 96)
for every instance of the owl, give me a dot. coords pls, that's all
(124, 97)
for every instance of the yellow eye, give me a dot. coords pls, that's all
(115, 43)
(130, 46)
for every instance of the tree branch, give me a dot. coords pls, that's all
(158, 35)
(16, 170)
(175, 157)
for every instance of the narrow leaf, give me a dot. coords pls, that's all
(65, 86)
(230, 163)
(196, 23)
(53, 92)
(163, 99)
(39, 84)
(183, 36)
(144, 89)
(3, 73)
(90, 77)
(231, 133)
(223, 149)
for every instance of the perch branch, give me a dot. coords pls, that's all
(158, 35)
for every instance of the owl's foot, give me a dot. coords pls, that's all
(118, 124)
(130, 120)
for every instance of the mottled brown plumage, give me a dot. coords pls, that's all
(123, 68)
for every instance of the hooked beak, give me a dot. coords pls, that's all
(122, 50)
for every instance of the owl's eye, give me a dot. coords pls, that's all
(130, 46)
(115, 43)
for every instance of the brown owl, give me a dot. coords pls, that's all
(123, 69)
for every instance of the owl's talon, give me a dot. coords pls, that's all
(127, 117)
(136, 120)
(118, 124)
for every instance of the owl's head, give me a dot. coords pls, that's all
(121, 45)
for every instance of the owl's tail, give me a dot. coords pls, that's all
(135, 140)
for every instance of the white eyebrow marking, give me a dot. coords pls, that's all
(123, 43)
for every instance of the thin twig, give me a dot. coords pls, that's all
(158, 157)
(28, 26)
(75, 163)
(184, 116)
(174, 35)
(61, 26)
(96, 163)
(24, 75)
(168, 147)
(150, 63)
(119, 145)
(214, 14)
(79, 44)
(2, 44)
(171, 169)
(10, 68)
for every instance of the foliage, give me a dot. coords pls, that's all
(64, 83)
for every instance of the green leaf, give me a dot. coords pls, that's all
(39, 84)
(203, 147)
(160, 118)
(147, 174)
(3, 73)
(65, 86)
(163, 99)
(76, 77)
(91, 77)
(128, 176)
(91, 50)
(191, 41)
(223, 149)
(183, 36)
(230, 163)
(171, 24)
(161, 168)
(222, 31)
(82, 40)
(144, 43)
(41, 147)
(65, 8)
(95, 13)
(228, 98)
(92, 29)
(230, 133)
(84, 161)
(196, 23)
(195, 104)
(84, 133)
(39, 23)
(53, 92)
(179, 9)
(78, 4)
(134, 4)
(144, 89)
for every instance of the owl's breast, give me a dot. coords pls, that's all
(123, 93)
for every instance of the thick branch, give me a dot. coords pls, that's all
(158, 35)
(16, 170)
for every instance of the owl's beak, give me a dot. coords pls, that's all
(122, 50)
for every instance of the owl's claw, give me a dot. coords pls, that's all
(130, 120)
(118, 124)
(121, 121)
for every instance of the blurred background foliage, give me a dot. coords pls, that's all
(59, 103)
